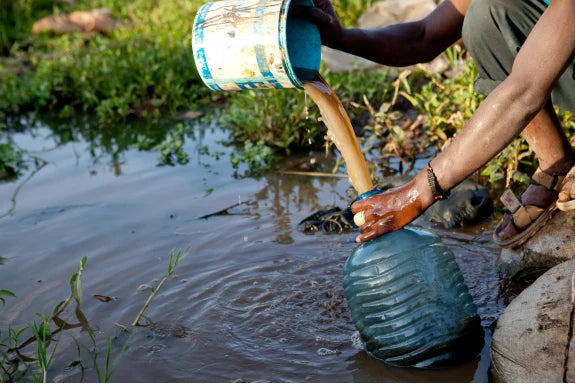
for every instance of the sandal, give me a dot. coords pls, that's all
(528, 218)
(570, 204)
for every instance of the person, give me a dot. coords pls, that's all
(523, 51)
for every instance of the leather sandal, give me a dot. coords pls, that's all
(528, 219)
(568, 205)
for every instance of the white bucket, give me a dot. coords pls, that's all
(255, 44)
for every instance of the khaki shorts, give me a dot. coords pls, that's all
(494, 31)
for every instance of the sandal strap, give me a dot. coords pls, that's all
(547, 180)
(526, 215)
(523, 215)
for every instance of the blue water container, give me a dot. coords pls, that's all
(255, 44)
(409, 301)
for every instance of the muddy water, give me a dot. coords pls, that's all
(255, 300)
(340, 132)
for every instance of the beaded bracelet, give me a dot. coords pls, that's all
(436, 190)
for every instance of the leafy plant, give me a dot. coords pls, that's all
(11, 161)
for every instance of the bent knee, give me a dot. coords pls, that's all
(481, 23)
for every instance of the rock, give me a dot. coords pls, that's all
(551, 245)
(390, 12)
(191, 115)
(58, 24)
(338, 61)
(97, 20)
(380, 14)
(468, 203)
(532, 339)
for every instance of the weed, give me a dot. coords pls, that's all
(104, 374)
(281, 122)
(175, 258)
(140, 68)
(5, 293)
(43, 336)
(12, 162)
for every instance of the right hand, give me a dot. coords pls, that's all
(326, 20)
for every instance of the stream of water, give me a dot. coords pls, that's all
(255, 300)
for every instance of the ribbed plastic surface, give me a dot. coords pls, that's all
(409, 301)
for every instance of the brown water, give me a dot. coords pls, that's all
(340, 132)
(255, 300)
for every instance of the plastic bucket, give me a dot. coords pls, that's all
(255, 44)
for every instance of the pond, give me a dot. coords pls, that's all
(254, 300)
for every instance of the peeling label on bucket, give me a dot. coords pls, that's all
(243, 45)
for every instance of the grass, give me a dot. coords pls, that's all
(175, 258)
(145, 69)
(17, 364)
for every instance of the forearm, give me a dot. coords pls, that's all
(396, 45)
(499, 120)
(547, 52)
(408, 43)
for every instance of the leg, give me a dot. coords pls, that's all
(494, 30)
(547, 140)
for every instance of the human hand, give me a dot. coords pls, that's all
(324, 17)
(386, 212)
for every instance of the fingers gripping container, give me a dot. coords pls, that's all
(255, 44)
(409, 301)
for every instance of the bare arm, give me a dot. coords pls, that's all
(399, 44)
(545, 55)
(547, 52)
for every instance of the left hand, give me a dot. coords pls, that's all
(388, 211)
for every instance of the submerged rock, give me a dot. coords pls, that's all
(532, 341)
(334, 220)
(553, 244)
(469, 203)
(97, 20)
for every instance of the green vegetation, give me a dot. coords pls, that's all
(175, 258)
(22, 361)
(145, 69)
(142, 68)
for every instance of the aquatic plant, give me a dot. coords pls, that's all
(5, 293)
(175, 257)
(16, 364)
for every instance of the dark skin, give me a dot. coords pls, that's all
(519, 105)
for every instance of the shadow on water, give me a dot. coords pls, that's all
(255, 300)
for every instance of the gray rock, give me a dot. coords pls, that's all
(468, 203)
(380, 14)
(551, 245)
(532, 341)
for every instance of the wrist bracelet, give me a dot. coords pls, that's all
(436, 190)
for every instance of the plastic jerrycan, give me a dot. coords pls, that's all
(409, 302)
